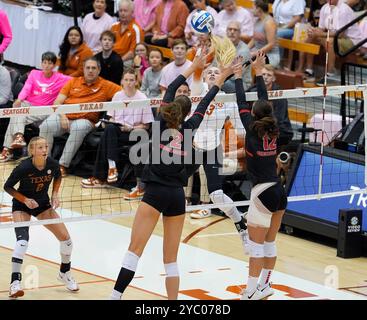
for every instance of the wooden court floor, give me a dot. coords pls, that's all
(297, 257)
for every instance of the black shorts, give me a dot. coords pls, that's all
(274, 198)
(32, 212)
(168, 200)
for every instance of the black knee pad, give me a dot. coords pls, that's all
(22, 233)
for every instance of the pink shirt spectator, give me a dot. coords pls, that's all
(144, 12)
(189, 28)
(336, 17)
(92, 29)
(131, 116)
(41, 91)
(170, 72)
(166, 14)
(5, 31)
(243, 16)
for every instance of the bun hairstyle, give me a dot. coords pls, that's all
(265, 123)
(172, 114)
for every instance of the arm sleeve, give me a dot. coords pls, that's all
(5, 31)
(198, 115)
(169, 95)
(262, 93)
(13, 179)
(244, 108)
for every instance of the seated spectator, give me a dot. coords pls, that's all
(111, 63)
(265, 33)
(152, 76)
(128, 33)
(6, 34)
(286, 15)
(141, 61)
(333, 15)
(169, 23)
(232, 12)
(40, 89)
(117, 134)
(234, 34)
(190, 33)
(5, 87)
(280, 107)
(145, 13)
(73, 51)
(172, 70)
(94, 24)
(84, 89)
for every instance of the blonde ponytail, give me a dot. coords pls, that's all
(225, 51)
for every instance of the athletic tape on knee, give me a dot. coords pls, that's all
(171, 269)
(270, 249)
(218, 196)
(20, 249)
(22, 233)
(256, 250)
(130, 261)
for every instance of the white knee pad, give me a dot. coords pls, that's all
(270, 249)
(20, 249)
(66, 247)
(218, 196)
(256, 250)
(130, 261)
(171, 269)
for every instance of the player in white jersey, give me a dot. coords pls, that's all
(209, 151)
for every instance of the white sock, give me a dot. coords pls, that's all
(115, 295)
(111, 164)
(251, 284)
(219, 196)
(265, 278)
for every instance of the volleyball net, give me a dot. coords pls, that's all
(316, 122)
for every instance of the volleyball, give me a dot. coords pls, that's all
(202, 21)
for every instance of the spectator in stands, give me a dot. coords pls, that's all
(265, 33)
(152, 76)
(111, 63)
(6, 34)
(280, 107)
(40, 89)
(286, 14)
(5, 87)
(141, 61)
(145, 13)
(169, 24)
(234, 34)
(95, 23)
(171, 71)
(86, 89)
(73, 51)
(232, 12)
(117, 134)
(128, 33)
(333, 15)
(190, 34)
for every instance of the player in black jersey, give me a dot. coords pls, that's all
(268, 199)
(164, 183)
(35, 175)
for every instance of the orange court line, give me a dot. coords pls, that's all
(194, 233)
(91, 274)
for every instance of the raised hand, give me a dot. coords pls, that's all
(259, 62)
(200, 58)
(237, 67)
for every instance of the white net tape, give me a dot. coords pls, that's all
(96, 206)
